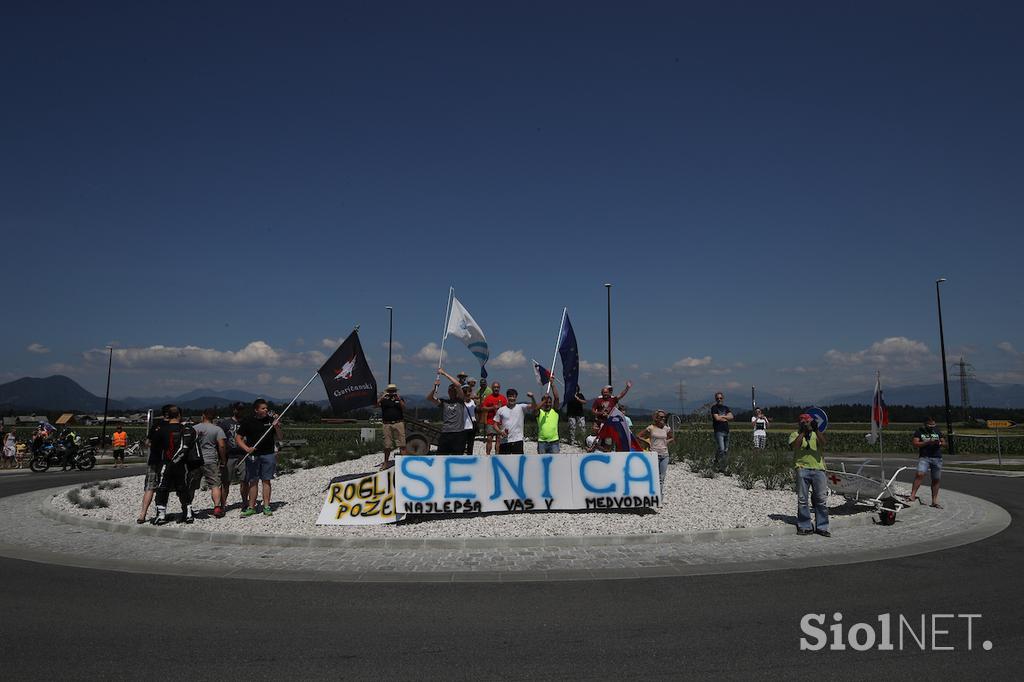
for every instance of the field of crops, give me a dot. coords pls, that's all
(343, 441)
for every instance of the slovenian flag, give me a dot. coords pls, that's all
(879, 412)
(615, 433)
(543, 375)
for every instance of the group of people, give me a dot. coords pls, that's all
(466, 412)
(240, 449)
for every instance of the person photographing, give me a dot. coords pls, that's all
(807, 445)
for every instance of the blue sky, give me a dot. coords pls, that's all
(217, 189)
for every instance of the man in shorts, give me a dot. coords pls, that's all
(233, 470)
(210, 439)
(392, 417)
(256, 436)
(490, 406)
(929, 441)
(452, 440)
(154, 464)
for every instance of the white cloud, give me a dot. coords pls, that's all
(1004, 346)
(37, 347)
(799, 369)
(593, 367)
(895, 349)
(508, 359)
(689, 363)
(331, 343)
(429, 353)
(396, 345)
(263, 378)
(288, 381)
(255, 354)
(731, 385)
(61, 368)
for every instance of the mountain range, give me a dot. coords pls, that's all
(980, 393)
(60, 393)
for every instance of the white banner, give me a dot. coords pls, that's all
(453, 484)
(365, 501)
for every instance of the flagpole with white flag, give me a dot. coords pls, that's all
(554, 357)
(465, 328)
(444, 336)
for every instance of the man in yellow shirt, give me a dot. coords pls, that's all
(810, 477)
(547, 422)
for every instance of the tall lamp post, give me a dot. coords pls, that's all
(945, 373)
(608, 288)
(106, 400)
(391, 330)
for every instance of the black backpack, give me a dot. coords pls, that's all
(188, 447)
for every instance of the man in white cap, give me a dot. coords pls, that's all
(392, 417)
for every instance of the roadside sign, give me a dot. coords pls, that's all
(1000, 423)
(819, 417)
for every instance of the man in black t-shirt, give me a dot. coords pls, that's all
(721, 415)
(929, 441)
(577, 422)
(154, 465)
(176, 475)
(256, 436)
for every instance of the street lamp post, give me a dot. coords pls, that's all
(106, 400)
(945, 373)
(391, 330)
(608, 288)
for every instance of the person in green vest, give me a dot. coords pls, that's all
(547, 421)
(807, 446)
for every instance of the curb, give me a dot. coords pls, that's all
(985, 472)
(47, 508)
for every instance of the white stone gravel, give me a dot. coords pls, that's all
(690, 503)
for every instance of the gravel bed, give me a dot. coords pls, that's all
(690, 503)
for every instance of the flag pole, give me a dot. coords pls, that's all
(881, 451)
(554, 358)
(444, 336)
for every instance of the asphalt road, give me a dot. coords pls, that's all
(77, 623)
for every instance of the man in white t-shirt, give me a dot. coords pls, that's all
(509, 421)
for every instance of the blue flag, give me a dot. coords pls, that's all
(570, 355)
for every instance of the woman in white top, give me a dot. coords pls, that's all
(760, 423)
(657, 436)
(10, 446)
(469, 424)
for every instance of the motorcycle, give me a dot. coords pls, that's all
(53, 454)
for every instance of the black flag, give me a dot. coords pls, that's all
(347, 377)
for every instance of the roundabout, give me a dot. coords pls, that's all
(46, 528)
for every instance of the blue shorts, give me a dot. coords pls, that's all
(545, 447)
(931, 465)
(260, 467)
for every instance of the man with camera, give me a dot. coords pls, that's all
(392, 417)
(807, 444)
(929, 441)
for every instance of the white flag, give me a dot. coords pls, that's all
(462, 326)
